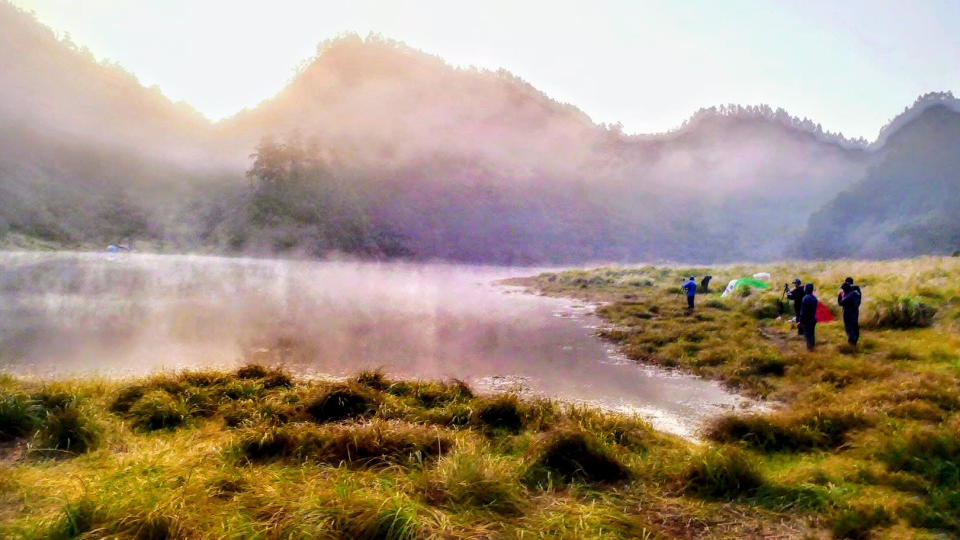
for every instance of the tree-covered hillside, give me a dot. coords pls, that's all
(429, 161)
(909, 202)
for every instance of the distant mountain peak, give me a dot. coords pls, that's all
(767, 113)
(911, 113)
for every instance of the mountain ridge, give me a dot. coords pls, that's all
(378, 116)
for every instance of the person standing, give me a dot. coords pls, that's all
(808, 316)
(691, 288)
(796, 296)
(705, 284)
(849, 300)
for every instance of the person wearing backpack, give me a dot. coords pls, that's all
(849, 299)
(808, 316)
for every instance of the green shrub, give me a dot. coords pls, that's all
(567, 456)
(19, 416)
(158, 410)
(899, 312)
(722, 473)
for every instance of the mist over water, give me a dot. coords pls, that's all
(85, 313)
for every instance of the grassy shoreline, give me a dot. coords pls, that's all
(256, 453)
(873, 433)
(864, 443)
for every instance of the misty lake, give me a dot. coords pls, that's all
(69, 314)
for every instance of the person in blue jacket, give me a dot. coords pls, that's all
(808, 316)
(849, 299)
(691, 288)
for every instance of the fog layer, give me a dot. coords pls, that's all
(386, 151)
(65, 314)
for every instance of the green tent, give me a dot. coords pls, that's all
(748, 283)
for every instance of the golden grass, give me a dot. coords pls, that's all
(865, 438)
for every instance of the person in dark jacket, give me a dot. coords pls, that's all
(691, 288)
(849, 299)
(808, 316)
(705, 284)
(796, 296)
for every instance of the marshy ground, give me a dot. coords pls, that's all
(866, 441)
(856, 443)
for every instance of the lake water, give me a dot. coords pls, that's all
(70, 314)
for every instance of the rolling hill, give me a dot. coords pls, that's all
(382, 150)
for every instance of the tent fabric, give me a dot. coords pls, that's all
(745, 282)
(752, 283)
(824, 314)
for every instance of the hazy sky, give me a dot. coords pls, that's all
(850, 65)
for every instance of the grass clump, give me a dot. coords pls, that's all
(502, 412)
(396, 519)
(158, 410)
(430, 395)
(268, 377)
(374, 379)
(794, 432)
(858, 522)
(19, 416)
(342, 402)
(722, 473)
(69, 429)
(126, 397)
(477, 481)
(77, 518)
(625, 430)
(900, 312)
(361, 444)
(933, 453)
(566, 456)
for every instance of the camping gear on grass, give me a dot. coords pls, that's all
(745, 283)
(824, 314)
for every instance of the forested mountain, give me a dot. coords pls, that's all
(377, 149)
(480, 166)
(87, 154)
(909, 201)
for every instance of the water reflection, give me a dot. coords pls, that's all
(68, 314)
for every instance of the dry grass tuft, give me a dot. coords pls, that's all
(566, 456)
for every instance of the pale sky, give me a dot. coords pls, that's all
(849, 65)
